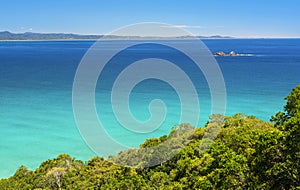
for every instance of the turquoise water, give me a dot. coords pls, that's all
(36, 119)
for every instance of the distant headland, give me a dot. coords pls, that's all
(6, 35)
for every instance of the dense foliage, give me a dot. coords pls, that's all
(247, 153)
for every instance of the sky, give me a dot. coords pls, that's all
(237, 18)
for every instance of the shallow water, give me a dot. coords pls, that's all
(36, 118)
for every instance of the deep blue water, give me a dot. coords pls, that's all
(36, 78)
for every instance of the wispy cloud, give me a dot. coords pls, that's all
(191, 26)
(24, 29)
(182, 26)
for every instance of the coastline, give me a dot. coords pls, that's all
(266, 95)
(139, 39)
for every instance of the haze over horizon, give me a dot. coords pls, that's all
(255, 19)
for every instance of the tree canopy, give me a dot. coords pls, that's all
(246, 153)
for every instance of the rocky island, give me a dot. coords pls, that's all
(232, 53)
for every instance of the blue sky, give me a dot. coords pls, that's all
(239, 18)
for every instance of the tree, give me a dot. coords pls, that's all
(55, 176)
(287, 145)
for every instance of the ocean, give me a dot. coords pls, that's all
(36, 80)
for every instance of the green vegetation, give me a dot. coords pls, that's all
(247, 154)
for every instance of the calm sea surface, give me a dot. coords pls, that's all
(36, 78)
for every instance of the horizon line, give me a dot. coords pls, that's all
(217, 36)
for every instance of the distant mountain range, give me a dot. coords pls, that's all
(5, 35)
